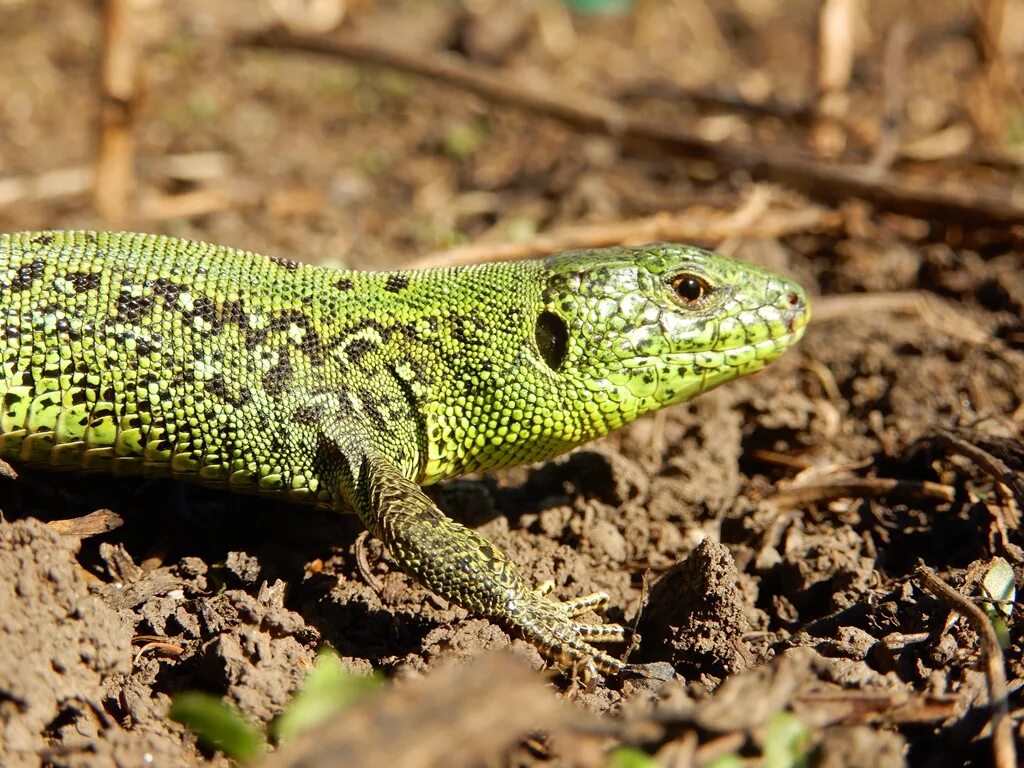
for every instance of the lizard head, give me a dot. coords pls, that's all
(612, 334)
(630, 330)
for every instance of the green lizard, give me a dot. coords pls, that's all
(142, 354)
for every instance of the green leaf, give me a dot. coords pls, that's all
(629, 757)
(463, 139)
(328, 689)
(600, 6)
(217, 725)
(785, 742)
(998, 585)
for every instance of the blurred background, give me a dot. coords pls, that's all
(167, 117)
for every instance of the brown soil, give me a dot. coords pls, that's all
(744, 534)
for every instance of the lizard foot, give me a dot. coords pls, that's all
(550, 626)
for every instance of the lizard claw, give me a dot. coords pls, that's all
(550, 627)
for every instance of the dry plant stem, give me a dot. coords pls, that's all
(48, 185)
(715, 99)
(1003, 749)
(860, 488)
(696, 227)
(998, 90)
(363, 564)
(115, 162)
(893, 83)
(827, 182)
(836, 22)
(781, 459)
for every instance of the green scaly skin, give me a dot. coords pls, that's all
(141, 354)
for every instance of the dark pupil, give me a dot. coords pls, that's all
(689, 289)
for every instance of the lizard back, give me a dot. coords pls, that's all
(144, 354)
(141, 354)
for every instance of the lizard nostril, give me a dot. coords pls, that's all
(794, 298)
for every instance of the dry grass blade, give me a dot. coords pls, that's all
(936, 312)
(689, 226)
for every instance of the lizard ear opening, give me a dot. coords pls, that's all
(552, 339)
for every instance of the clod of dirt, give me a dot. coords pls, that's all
(607, 474)
(695, 617)
(60, 645)
(699, 475)
(243, 567)
(256, 654)
(456, 717)
(860, 747)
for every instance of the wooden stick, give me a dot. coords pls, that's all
(115, 172)
(1003, 749)
(860, 488)
(827, 182)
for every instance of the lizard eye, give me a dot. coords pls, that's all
(552, 339)
(689, 289)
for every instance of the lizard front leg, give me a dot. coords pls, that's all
(463, 567)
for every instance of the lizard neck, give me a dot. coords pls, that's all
(457, 350)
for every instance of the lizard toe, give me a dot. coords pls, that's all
(602, 633)
(577, 606)
(548, 625)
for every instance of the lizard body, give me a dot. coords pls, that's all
(144, 354)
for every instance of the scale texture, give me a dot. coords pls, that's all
(149, 355)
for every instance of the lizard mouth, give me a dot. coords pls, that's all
(766, 350)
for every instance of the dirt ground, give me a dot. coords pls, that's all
(764, 539)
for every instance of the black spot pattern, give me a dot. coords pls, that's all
(27, 274)
(396, 283)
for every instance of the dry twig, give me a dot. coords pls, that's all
(79, 179)
(827, 182)
(861, 488)
(829, 707)
(1003, 749)
(363, 564)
